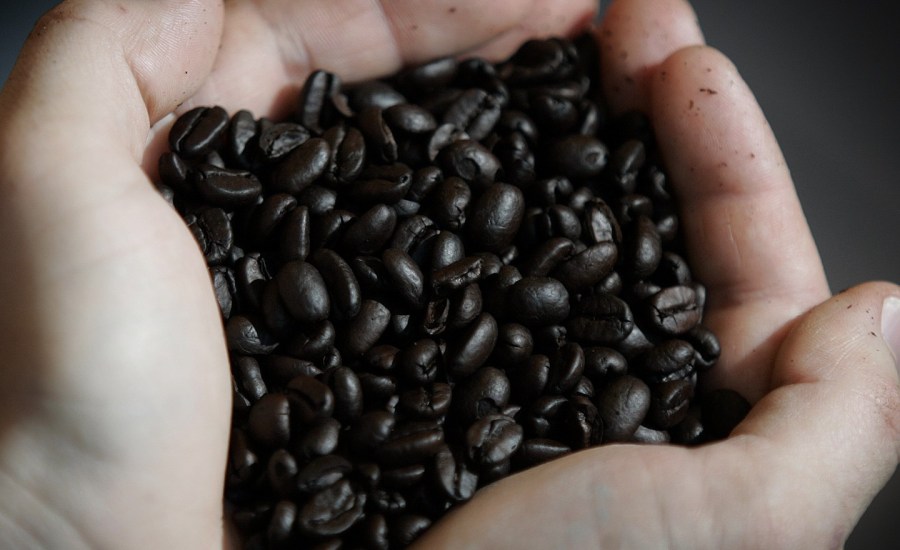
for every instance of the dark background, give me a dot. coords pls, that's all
(827, 74)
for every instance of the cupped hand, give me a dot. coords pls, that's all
(115, 384)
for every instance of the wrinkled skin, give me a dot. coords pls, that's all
(114, 381)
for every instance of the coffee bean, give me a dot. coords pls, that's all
(448, 203)
(601, 362)
(430, 76)
(247, 337)
(199, 131)
(642, 248)
(426, 404)
(669, 403)
(322, 472)
(409, 118)
(370, 431)
(269, 420)
(472, 347)
(420, 362)
(380, 141)
(455, 481)
(331, 511)
(411, 232)
(649, 436)
(365, 329)
(374, 93)
(310, 399)
(465, 307)
(281, 369)
(587, 268)
(380, 184)
(281, 472)
(623, 405)
(722, 410)
(344, 291)
(242, 130)
(578, 156)
(457, 275)
(303, 290)
(275, 141)
(670, 360)
(485, 392)
(601, 319)
(225, 288)
(295, 235)
(320, 438)
(493, 439)
(476, 112)
(316, 97)
(706, 346)
(530, 378)
(582, 425)
(674, 310)
(348, 394)
(566, 368)
(406, 528)
(374, 531)
(411, 443)
(408, 281)
(282, 523)
(302, 166)
(547, 256)
(212, 229)
(538, 301)
(470, 161)
(318, 199)
(496, 216)
(249, 377)
(348, 154)
(371, 231)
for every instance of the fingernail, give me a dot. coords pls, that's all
(890, 325)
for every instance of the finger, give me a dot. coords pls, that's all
(96, 252)
(635, 37)
(797, 473)
(745, 231)
(272, 46)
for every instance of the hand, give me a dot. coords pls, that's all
(114, 413)
(115, 390)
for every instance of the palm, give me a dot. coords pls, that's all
(115, 328)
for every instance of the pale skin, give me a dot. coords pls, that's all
(114, 382)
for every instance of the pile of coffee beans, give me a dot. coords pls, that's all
(436, 279)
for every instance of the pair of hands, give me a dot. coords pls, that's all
(114, 381)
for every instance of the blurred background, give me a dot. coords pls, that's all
(827, 74)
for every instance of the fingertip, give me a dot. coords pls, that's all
(635, 37)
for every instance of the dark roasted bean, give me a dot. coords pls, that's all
(485, 392)
(380, 184)
(374, 93)
(365, 329)
(310, 399)
(537, 450)
(406, 277)
(549, 338)
(331, 511)
(623, 405)
(266, 217)
(281, 473)
(493, 439)
(282, 523)
(674, 310)
(706, 346)
(411, 443)
(426, 404)
(374, 531)
(538, 301)
(496, 216)
(247, 337)
(468, 351)
(318, 199)
(650, 436)
(514, 345)
(410, 119)
(670, 360)
(469, 160)
(601, 319)
(302, 166)
(457, 275)
(348, 154)
(225, 187)
(199, 131)
(465, 307)
(406, 528)
(338, 276)
(295, 235)
(448, 248)
(529, 379)
(370, 431)
(582, 426)
(322, 472)
(242, 130)
(411, 232)
(225, 288)
(372, 230)
(434, 318)
(448, 203)
(212, 229)
(303, 290)
(320, 438)
(476, 112)
(669, 403)
(566, 368)
(601, 362)
(316, 100)
(547, 256)
(380, 141)
(249, 377)
(269, 422)
(348, 394)
(281, 369)
(587, 268)
(578, 156)
(419, 362)
(642, 248)
(402, 477)
(277, 140)
(455, 481)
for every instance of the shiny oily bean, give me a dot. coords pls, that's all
(650, 436)
(407, 118)
(579, 157)
(373, 93)
(670, 360)
(623, 404)
(599, 223)
(248, 337)
(318, 199)
(455, 481)
(538, 301)
(402, 477)
(465, 307)
(303, 291)
(496, 217)
(475, 111)
(566, 368)
(294, 243)
(226, 187)
(266, 217)
(411, 443)
(331, 511)
(322, 472)
(275, 141)
(457, 275)
(369, 431)
(348, 393)
(320, 438)
(706, 346)
(249, 377)
(674, 310)
(587, 268)
(426, 403)
(669, 403)
(281, 472)
(601, 319)
(380, 140)
(601, 362)
(642, 248)
(405, 276)
(514, 345)
(582, 426)
(373, 532)
(371, 230)
(469, 351)
(530, 378)
(242, 130)
(420, 362)
(470, 161)
(269, 421)
(316, 97)
(378, 390)
(448, 203)
(343, 288)
(411, 232)
(199, 131)
(212, 229)
(493, 439)
(310, 399)
(380, 184)
(224, 287)
(547, 256)
(312, 344)
(302, 166)
(281, 524)
(364, 330)
(348, 154)
(281, 369)
(448, 248)
(485, 392)
(406, 528)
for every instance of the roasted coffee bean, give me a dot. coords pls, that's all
(380, 184)
(650, 436)
(224, 187)
(670, 360)
(199, 131)
(244, 464)
(318, 199)
(493, 439)
(583, 387)
(281, 369)
(448, 203)
(642, 248)
(303, 290)
(348, 394)
(426, 404)
(310, 399)
(411, 232)
(270, 420)
(380, 141)
(465, 307)
(547, 256)
(331, 511)
(365, 329)
(514, 345)
(548, 339)
(600, 225)
(344, 291)
(316, 97)
(281, 472)
(295, 235)
(469, 160)
(348, 154)
(457, 275)
(706, 346)
(529, 379)
(623, 405)
(542, 417)
(381, 358)
(472, 347)
(691, 430)
(475, 111)
(369, 431)
(322, 472)
(405, 276)
(247, 337)
(537, 450)
(538, 301)
(371, 274)
(302, 166)
(601, 319)
(578, 156)
(225, 288)
(175, 172)
(674, 310)
(420, 362)
(374, 93)
(320, 438)
(249, 377)
(266, 217)
(313, 343)
(402, 477)
(409, 119)
(371, 230)
(566, 368)
(406, 528)
(669, 403)
(485, 392)
(212, 229)
(282, 523)
(428, 77)
(275, 141)
(374, 531)
(434, 318)
(582, 425)
(242, 130)
(586, 268)
(496, 216)
(448, 248)
(455, 481)
(601, 362)
(411, 443)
